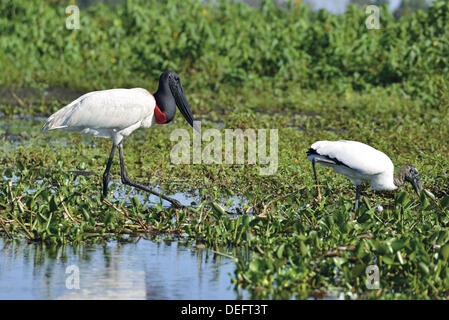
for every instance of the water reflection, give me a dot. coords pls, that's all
(191, 198)
(141, 270)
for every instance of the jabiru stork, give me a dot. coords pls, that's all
(116, 113)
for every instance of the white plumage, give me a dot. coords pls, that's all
(113, 113)
(357, 161)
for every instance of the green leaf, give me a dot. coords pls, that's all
(429, 194)
(108, 218)
(303, 247)
(400, 259)
(444, 251)
(53, 204)
(280, 251)
(445, 202)
(397, 245)
(401, 197)
(358, 270)
(135, 201)
(366, 202)
(423, 268)
(387, 260)
(218, 210)
(8, 173)
(256, 266)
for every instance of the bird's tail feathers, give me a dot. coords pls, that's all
(311, 151)
(57, 120)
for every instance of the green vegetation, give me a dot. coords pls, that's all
(313, 76)
(229, 44)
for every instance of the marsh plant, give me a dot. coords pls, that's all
(310, 76)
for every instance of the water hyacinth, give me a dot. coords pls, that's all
(320, 84)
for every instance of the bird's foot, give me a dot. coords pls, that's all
(353, 217)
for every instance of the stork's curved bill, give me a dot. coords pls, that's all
(181, 101)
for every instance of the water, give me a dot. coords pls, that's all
(141, 270)
(185, 198)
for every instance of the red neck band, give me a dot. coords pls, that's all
(160, 116)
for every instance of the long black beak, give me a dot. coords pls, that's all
(417, 185)
(181, 102)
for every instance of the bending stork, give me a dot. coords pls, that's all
(358, 162)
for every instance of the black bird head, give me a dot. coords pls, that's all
(171, 94)
(411, 175)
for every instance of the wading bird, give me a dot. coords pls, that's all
(360, 162)
(116, 113)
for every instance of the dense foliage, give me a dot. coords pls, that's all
(228, 43)
(313, 76)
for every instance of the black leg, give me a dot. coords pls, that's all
(316, 180)
(129, 182)
(357, 197)
(106, 177)
(314, 162)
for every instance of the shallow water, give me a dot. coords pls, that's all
(191, 198)
(141, 270)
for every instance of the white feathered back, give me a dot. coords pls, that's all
(356, 155)
(106, 109)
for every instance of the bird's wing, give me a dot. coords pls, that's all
(113, 109)
(356, 155)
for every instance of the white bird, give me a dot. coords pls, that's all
(116, 113)
(360, 162)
